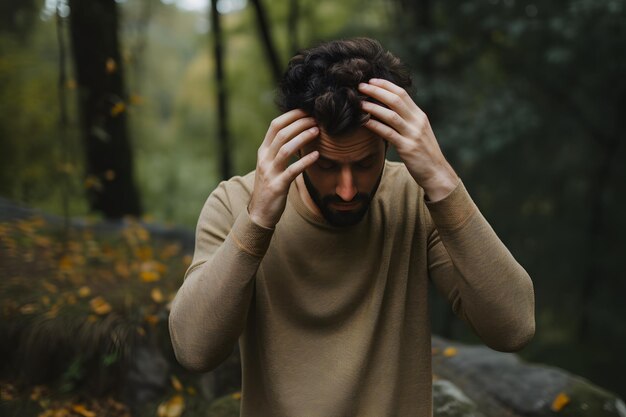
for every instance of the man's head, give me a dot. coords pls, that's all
(323, 81)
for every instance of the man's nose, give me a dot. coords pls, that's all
(345, 185)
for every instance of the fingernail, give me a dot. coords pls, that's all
(362, 85)
(313, 129)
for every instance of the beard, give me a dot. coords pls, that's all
(341, 218)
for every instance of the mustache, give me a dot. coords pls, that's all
(329, 199)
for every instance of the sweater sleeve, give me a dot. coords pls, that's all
(472, 268)
(209, 311)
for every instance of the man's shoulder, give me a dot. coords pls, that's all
(234, 193)
(397, 181)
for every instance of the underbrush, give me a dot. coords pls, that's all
(76, 307)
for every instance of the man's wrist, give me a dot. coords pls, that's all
(440, 185)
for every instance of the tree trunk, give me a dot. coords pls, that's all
(222, 103)
(266, 37)
(292, 25)
(110, 185)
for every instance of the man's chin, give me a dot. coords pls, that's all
(344, 218)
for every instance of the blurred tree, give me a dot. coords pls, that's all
(266, 38)
(222, 97)
(108, 154)
(530, 97)
(17, 16)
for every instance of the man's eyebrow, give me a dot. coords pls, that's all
(370, 155)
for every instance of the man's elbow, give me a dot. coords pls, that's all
(191, 356)
(515, 339)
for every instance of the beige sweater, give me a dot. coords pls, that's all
(334, 322)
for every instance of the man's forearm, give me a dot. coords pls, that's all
(495, 294)
(209, 311)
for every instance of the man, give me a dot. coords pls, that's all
(320, 268)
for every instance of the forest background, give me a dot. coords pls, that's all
(526, 98)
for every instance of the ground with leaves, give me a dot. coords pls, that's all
(75, 303)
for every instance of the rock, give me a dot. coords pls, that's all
(450, 401)
(148, 376)
(503, 385)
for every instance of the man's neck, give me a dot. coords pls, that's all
(305, 196)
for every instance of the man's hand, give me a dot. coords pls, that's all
(285, 136)
(406, 127)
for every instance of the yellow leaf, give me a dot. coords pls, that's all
(111, 66)
(191, 390)
(142, 233)
(152, 319)
(118, 108)
(136, 99)
(65, 263)
(80, 409)
(149, 276)
(236, 395)
(109, 175)
(560, 401)
(71, 84)
(172, 408)
(170, 251)
(144, 253)
(178, 386)
(100, 306)
(84, 292)
(187, 260)
(449, 352)
(93, 182)
(49, 286)
(45, 300)
(157, 295)
(42, 241)
(122, 269)
(53, 312)
(28, 309)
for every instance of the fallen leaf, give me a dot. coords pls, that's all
(449, 352)
(84, 292)
(100, 306)
(157, 295)
(236, 395)
(559, 402)
(28, 309)
(178, 386)
(151, 319)
(50, 287)
(118, 108)
(136, 99)
(65, 263)
(149, 276)
(174, 407)
(111, 66)
(80, 409)
(144, 253)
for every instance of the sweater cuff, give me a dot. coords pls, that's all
(454, 210)
(250, 236)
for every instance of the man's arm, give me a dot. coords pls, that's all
(467, 261)
(210, 308)
(479, 277)
(209, 311)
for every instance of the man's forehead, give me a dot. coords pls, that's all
(361, 142)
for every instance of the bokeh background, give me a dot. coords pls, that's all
(132, 111)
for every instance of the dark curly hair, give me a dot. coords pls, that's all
(323, 81)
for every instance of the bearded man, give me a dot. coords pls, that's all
(320, 268)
